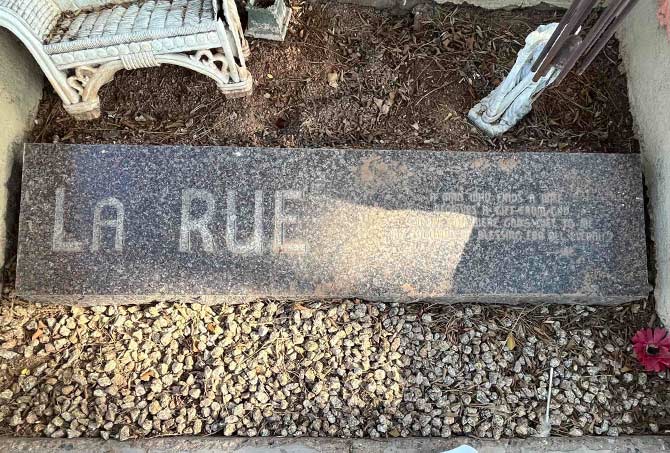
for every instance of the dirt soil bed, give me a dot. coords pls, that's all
(356, 77)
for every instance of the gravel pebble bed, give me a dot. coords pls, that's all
(339, 368)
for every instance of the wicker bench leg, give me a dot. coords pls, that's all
(84, 111)
(234, 81)
(237, 90)
(87, 81)
(246, 51)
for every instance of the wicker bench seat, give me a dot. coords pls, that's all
(80, 50)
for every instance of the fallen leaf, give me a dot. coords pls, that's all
(300, 307)
(147, 375)
(38, 333)
(333, 78)
(511, 342)
(392, 96)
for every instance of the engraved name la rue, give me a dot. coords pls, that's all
(59, 242)
(109, 213)
(201, 225)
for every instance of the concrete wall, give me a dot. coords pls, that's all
(21, 83)
(646, 53)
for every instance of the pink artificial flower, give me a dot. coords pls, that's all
(663, 15)
(652, 348)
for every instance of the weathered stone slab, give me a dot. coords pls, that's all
(123, 224)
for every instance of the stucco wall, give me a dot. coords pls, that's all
(646, 53)
(21, 83)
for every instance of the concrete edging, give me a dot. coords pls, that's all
(328, 445)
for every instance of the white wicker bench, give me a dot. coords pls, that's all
(81, 44)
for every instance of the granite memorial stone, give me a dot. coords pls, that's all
(123, 224)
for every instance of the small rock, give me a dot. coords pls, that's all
(6, 394)
(8, 355)
(124, 433)
(164, 414)
(262, 397)
(380, 375)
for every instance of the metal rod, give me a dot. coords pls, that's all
(559, 29)
(610, 20)
(605, 37)
(571, 57)
(574, 23)
(603, 23)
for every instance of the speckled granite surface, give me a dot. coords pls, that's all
(125, 224)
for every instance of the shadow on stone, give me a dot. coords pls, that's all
(12, 214)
